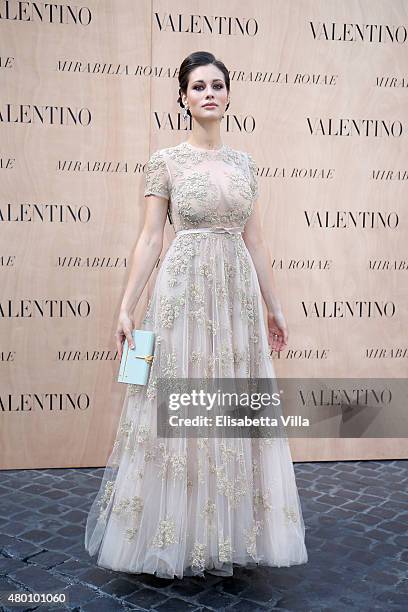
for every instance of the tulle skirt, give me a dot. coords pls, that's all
(183, 506)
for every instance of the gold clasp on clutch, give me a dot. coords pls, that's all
(148, 358)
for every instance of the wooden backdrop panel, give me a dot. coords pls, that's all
(118, 72)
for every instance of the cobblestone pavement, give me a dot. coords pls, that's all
(356, 516)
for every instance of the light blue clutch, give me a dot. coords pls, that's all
(136, 363)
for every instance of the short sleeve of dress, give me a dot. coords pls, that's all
(253, 176)
(157, 180)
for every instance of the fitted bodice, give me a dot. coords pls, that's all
(205, 188)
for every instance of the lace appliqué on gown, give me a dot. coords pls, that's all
(176, 507)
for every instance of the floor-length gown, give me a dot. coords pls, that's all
(177, 506)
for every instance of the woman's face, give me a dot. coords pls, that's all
(206, 84)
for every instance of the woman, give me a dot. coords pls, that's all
(176, 507)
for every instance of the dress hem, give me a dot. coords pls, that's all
(228, 571)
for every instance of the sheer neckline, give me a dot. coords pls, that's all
(221, 148)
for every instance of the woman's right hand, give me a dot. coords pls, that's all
(124, 330)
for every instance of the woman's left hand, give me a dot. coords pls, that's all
(277, 330)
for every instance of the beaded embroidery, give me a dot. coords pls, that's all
(208, 319)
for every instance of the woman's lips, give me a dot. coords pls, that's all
(209, 105)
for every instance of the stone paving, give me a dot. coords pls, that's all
(356, 516)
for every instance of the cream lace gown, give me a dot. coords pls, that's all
(177, 506)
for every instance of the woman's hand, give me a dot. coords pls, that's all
(124, 330)
(277, 330)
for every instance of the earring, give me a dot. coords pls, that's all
(185, 115)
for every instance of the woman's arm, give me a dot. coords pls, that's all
(144, 259)
(254, 240)
(255, 243)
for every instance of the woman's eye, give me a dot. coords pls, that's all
(219, 86)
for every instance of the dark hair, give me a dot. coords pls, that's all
(192, 61)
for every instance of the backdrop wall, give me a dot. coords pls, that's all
(89, 91)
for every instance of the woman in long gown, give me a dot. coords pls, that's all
(183, 506)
